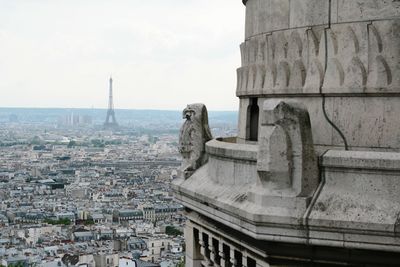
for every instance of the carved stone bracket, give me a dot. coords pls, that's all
(286, 157)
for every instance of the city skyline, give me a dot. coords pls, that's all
(61, 55)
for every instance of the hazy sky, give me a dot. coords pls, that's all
(162, 54)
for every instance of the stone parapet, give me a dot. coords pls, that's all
(356, 205)
(232, 163)
(232, 150)
(359, 201)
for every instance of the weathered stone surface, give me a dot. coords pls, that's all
(366, 199)
(363, 10)
(266, 15)
(340, 61)
(243, 105)
(293, 61)
(194, 133)
(366, 121)
(322, 133)
(271, 15)
(193, 257)
(286, 156)
(384, 56)
(356, 54)
(356, 207)
(363, 120)
(231, 163)
(223, 195)
(305, 13)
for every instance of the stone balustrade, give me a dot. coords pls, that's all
(220, 251)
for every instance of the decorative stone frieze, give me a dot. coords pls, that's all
(361, 58)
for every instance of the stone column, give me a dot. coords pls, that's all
(203, 251)
(213, 251)
(223, 262)
(193, 256)
(244, 259)
(233, 259)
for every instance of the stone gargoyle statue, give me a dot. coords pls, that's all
(194, 133)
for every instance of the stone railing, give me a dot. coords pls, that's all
(208, 247)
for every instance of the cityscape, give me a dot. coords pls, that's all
(76, 193)
(156, 134)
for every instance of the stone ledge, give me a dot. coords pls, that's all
(352, 208)
(360, 193)
(282, 228)
(232, 150)
(369, 160)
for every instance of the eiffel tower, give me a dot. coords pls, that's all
(111, 122)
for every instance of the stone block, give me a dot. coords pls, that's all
(222, 171)
(286, 157)
(366, 10)
(243, 105)
(231, 163)
(192, 246)
(367, 121)
(322, 132)
(347, 59)
(242, 81)
(265, 16)
(244, 173)
(389, 161)
(384, 57)
(305, 13)
(334, 11)
(362, 200)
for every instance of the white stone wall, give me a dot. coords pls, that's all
(346, 51)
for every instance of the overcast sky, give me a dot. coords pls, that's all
(162, 54)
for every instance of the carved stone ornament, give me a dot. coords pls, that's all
(286, 157)
(194, 133)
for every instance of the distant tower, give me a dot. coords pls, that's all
(110, 122)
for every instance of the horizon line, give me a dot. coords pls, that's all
(94, 108)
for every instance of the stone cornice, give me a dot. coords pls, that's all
(356, 202)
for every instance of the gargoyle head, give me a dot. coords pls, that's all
(188, 113)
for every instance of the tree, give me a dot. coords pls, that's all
(71, 143)
(171, 230)
(63, 221)
(181, 263)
